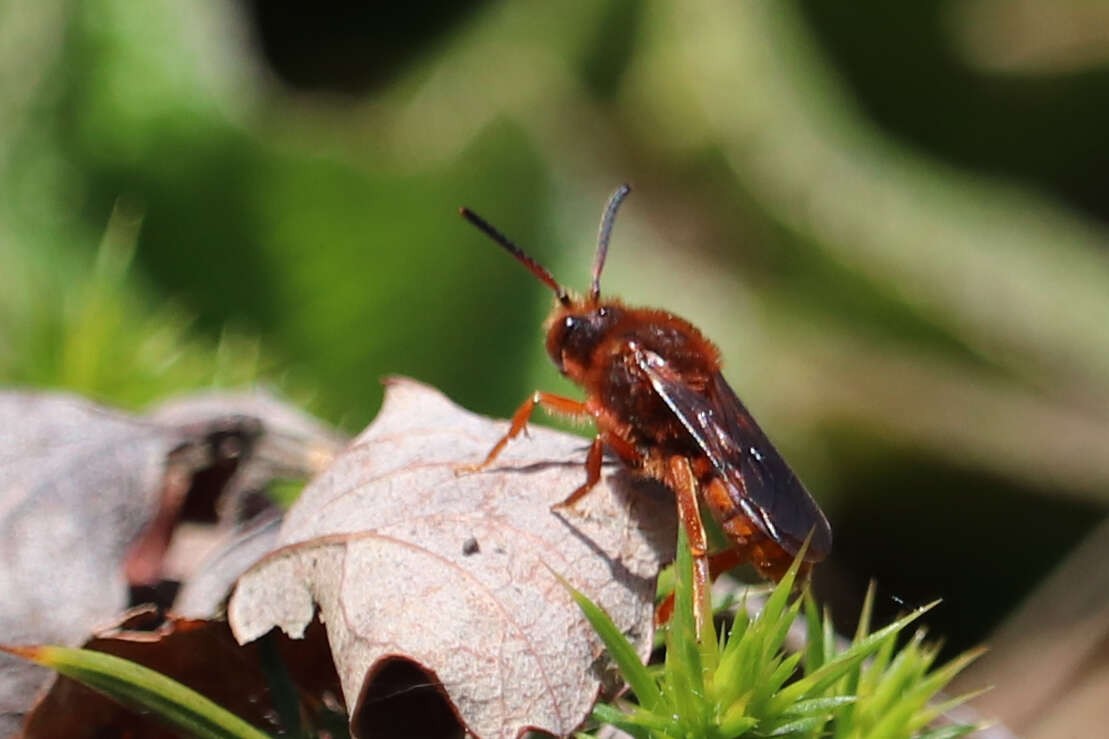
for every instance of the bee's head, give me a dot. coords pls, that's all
(574, 331)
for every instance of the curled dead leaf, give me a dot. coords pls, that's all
(405, 560)
(91, 498)
(80, 484)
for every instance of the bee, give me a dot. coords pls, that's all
(655, 391)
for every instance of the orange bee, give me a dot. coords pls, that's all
(654, 389)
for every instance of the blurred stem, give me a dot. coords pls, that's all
(1026, 284)
(96, 302)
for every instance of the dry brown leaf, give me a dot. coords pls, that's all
(405, 559)
(295, 445)
(78, 484)
(89, 502)
(205, 592)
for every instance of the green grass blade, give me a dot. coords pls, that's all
(140, 687)
(866, 612)
(619, 649)
(782, 673)
(733, 726)
(818, 705)
(731, 664)
(797, 726)
(930, 686)
(829, 673)
(777, 603)
(606, 714)
(779, 628)
(904, 671)
(830, 644)
(636, 718)
(814, 649)
(935, 710)
(948, 732)
(938, 679)
(683, 671)
(283, 691)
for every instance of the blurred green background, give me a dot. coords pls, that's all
(890, 216)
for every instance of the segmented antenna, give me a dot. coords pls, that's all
(603, 236)
(533, 266)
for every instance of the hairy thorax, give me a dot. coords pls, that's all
(633, 410)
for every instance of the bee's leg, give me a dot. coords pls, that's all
(683, 482)
(593, 462)
(719, 563)
(550, 401)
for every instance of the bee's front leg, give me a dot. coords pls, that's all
(549, 401)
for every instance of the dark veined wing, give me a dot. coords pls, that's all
(767, 490)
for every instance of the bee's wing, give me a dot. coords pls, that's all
(764, 486)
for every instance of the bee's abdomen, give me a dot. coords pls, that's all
(765, 554)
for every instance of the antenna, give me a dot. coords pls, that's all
(603, 236)
(533, 266)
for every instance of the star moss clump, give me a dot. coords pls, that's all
(744, 683)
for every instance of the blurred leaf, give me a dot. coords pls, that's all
(91, 500)
(1033, 38)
